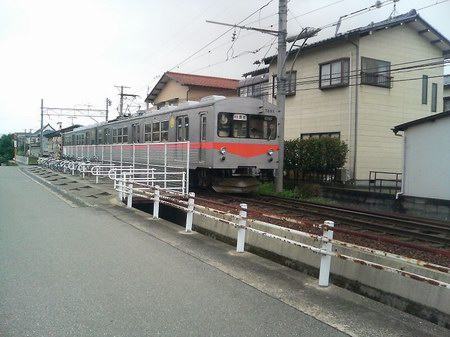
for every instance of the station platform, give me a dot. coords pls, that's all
(341, 309)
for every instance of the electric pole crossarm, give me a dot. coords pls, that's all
(266, 31)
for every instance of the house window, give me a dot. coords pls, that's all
(424, 89)
(376, 72)
(291, 84)
(334, 73)
(320, 135)
(446, 103)
(434, 88)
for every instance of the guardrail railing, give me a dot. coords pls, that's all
(130, 188)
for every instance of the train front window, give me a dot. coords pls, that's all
(235, 125)
(262, 127)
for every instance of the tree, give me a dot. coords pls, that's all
(6, 148)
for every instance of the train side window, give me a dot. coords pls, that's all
(119, 135)
(148, 132)
(186, 128)
(135, 133)
(224, 124)
(106, 135)
(182, 128)
(165, 131)
(125, 135)
(100, 137)
(203, 127)
(156, 129)
(114, 136)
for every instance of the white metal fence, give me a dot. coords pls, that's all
(163, 160)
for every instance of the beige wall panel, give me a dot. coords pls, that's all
(170, 91)
(380, 109)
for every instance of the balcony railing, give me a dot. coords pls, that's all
(376, 79)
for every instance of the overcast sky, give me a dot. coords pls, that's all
(73, 53)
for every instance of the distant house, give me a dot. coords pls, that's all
(54, 141)
(30, 142)
(426, 171)
(174, 88)
(356, 85)
(255, 84)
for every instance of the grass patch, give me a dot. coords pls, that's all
(305, 192)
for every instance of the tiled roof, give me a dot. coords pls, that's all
(192, 80)
(412, 18)
(204, 81)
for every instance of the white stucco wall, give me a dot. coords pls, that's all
(427, 160)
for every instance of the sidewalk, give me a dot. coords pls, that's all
(339, 308)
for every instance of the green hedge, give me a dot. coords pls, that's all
(314, 157)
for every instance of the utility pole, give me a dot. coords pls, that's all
(41, 148)
(281, 89)
(108, 104)
(121, 98)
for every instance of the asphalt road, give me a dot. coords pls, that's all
(67, 270)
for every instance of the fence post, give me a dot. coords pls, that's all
(241, 230)
(190, 212)
(325, 260)
(156, 203)
(130, 196)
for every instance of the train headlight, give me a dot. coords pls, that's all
(223, 150)
(270, 152)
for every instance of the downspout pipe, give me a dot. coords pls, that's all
(402, 189)
(355, 138)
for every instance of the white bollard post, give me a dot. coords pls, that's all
(130, 196)
(241, 230)
(325, 260)
(156, 203)
(190, 212)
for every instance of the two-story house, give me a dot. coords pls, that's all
(174, 88)
(357, 85)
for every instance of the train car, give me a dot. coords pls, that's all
(233, 141)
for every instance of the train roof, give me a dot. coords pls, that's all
(205, 101)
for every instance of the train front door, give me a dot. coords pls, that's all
(202, 150)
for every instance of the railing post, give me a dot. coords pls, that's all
(190, 212)
(97, 173)
(130, 196)
(325, 260)
(241, 230)
(156, 203)
(122, 183)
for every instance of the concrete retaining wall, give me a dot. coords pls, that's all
(419, 298)
(413, 206)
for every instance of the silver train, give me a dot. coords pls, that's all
(233, 141)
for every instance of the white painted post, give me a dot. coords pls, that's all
(190, 212)
(241, 230)
(130, 196)
(325, 260)
(156, 203)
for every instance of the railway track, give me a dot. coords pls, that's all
(436, 233)
(392, 229)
